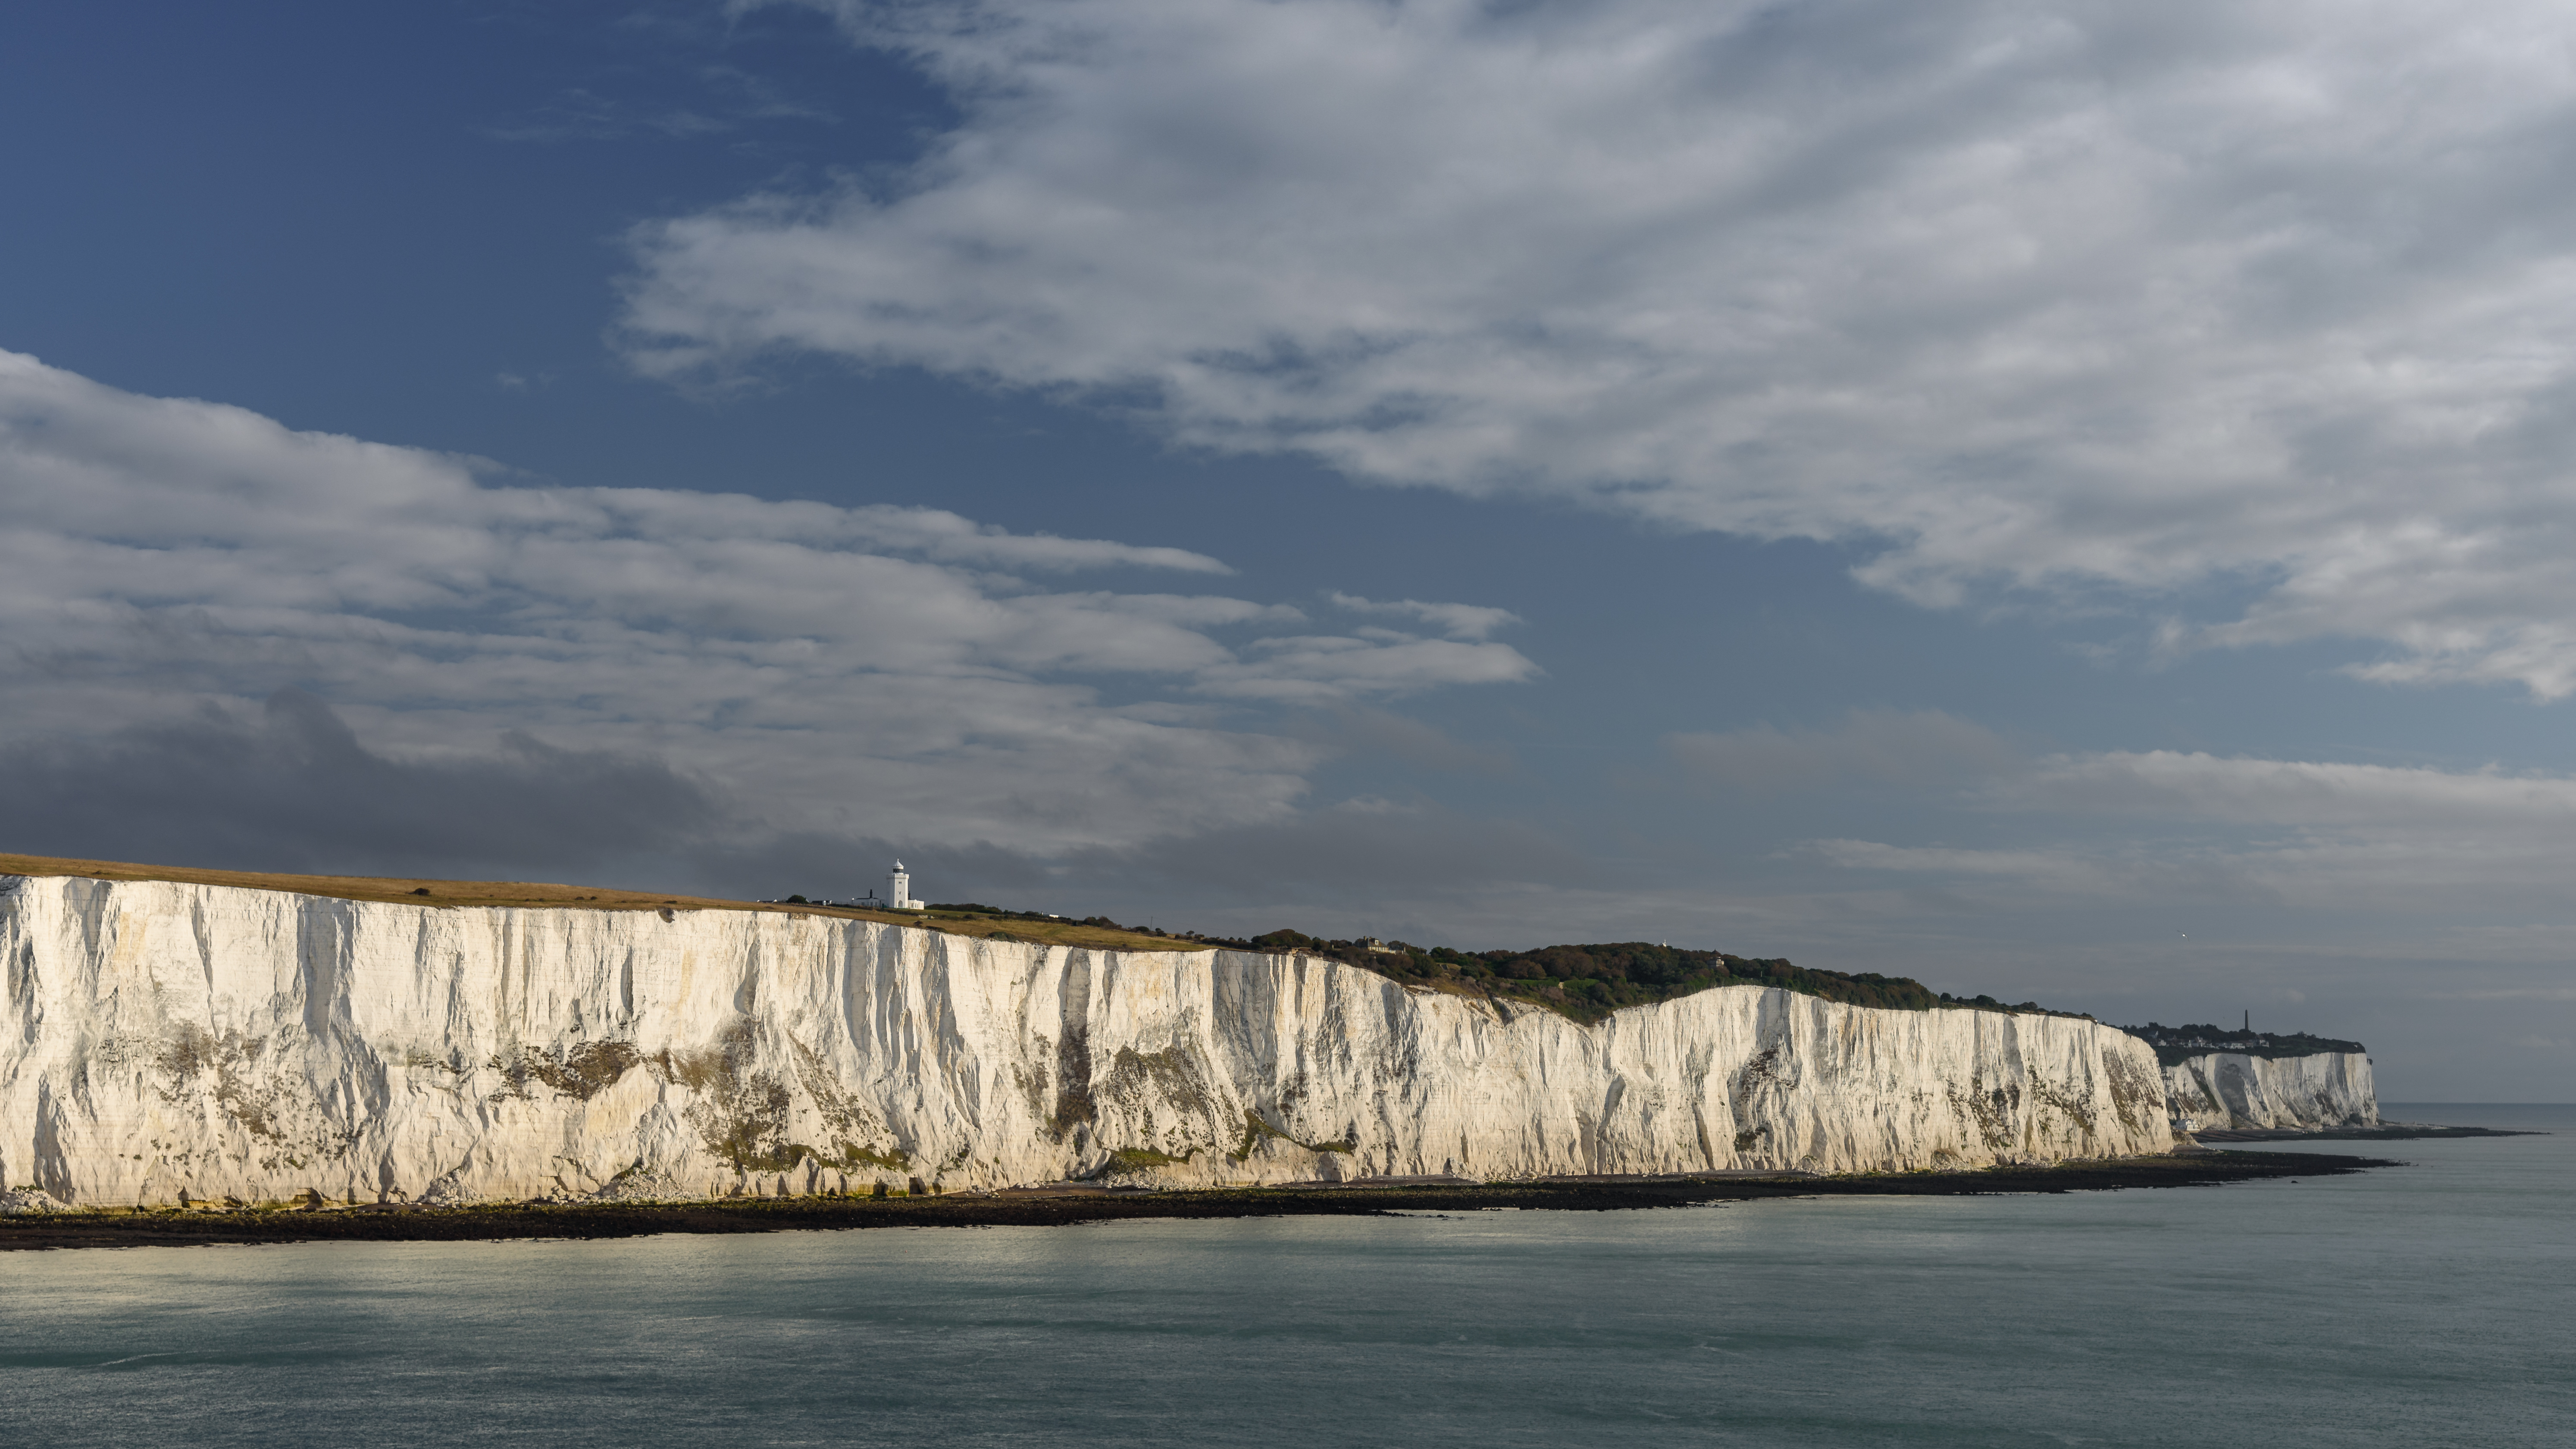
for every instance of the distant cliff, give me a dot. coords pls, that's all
(2236, 1089)
(2229, 1078)
(165, 1038)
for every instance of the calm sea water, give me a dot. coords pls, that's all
(2429, 1305)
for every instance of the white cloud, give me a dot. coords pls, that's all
(877, 670)
(1458, 621)
(949, 538)
(2138, 298)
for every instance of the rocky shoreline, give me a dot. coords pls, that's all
(2380, 1132)
(1067, 1204)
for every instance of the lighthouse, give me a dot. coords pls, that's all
(899, 889)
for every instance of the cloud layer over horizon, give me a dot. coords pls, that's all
(2256, 321)
(2186, 830)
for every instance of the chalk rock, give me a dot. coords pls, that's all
(158, 1037)
(2242, 1091)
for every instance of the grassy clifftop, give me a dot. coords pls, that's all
(1585, 982)
(970, 921)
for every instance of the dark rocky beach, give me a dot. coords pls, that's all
(1069, 1204)
(2381, 1132)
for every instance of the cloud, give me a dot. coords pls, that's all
(2191, 786)
(2201, 301)
(1321, 669)
(291, 788)
(2036, 878)
(945, 536)
(1458, 621)
(1355, 730)
(1352, 857)
(1873, 747)
(2369, 839)
(885, 672)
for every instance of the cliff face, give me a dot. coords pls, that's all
(160, 1038)
(2238, 1090)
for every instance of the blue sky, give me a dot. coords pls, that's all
(2060, 502)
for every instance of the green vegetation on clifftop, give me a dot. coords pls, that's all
(2177, 1044)
(1591, 981)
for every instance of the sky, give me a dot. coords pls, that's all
(2064, 501)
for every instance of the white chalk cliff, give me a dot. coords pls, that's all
(2241, 1091)
(159, 1039)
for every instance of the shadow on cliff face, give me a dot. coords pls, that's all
(295, 790)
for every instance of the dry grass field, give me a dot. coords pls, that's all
(452, 893)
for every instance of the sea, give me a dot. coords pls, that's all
(2428, 1304)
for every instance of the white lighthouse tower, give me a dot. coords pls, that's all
(899, 889)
